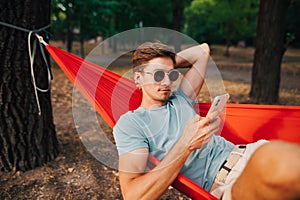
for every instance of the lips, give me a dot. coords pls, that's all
(164, 90)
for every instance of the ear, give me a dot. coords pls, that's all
(138, 79)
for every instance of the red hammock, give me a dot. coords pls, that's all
(112, 95)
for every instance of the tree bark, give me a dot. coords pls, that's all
(177, 11)
(270, 35)
(27, 139)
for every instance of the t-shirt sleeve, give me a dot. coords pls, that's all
(128, 135)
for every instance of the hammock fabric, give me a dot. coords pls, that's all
(112, 95)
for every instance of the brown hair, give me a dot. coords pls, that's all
(149, 50)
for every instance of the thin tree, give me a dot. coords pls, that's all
(27, 138)
(270, 36)
(177, 20)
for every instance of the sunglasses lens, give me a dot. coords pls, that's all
(173, 75)
(159, 76)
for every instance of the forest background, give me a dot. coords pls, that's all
(42, 157)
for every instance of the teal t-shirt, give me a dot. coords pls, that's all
(158, 129)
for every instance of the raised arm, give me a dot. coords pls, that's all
(196, 58)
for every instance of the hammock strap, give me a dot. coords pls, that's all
(32, 57)
(24, 29)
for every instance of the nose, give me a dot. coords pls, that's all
(166, 81)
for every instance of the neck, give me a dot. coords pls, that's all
(152, 104)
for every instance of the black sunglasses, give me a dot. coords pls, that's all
(159, 75)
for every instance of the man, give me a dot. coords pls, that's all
(166, 126)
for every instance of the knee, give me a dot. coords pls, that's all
(277, 163)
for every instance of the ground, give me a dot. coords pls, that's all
(76, 174)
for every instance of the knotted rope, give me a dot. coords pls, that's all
(32, 52)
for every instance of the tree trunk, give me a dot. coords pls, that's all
(69, 40)
(177, 11)
(82, 47)
(228, 44)
(27, 139)
(269, 50)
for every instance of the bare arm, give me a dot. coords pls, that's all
(196, 58)
(136, 184)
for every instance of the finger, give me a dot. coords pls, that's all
(202, 133)
(213, 115)
(214, 127)
(216, 121)
(201, 141)
(199, 137)
(204, 121)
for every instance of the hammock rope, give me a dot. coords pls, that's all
(32, 53)
(24, 29)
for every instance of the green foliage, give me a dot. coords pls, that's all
(215, 21)
(152, 13)
(199, 23)
(221, 20)
(87, 18)
(293, 21)
(107, 16)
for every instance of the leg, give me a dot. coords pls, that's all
(273, 172)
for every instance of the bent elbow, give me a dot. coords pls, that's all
(205, 48)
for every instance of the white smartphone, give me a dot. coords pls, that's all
(218, 103)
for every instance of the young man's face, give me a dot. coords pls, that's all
(156, 87)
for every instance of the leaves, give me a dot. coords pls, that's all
(219, 20)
